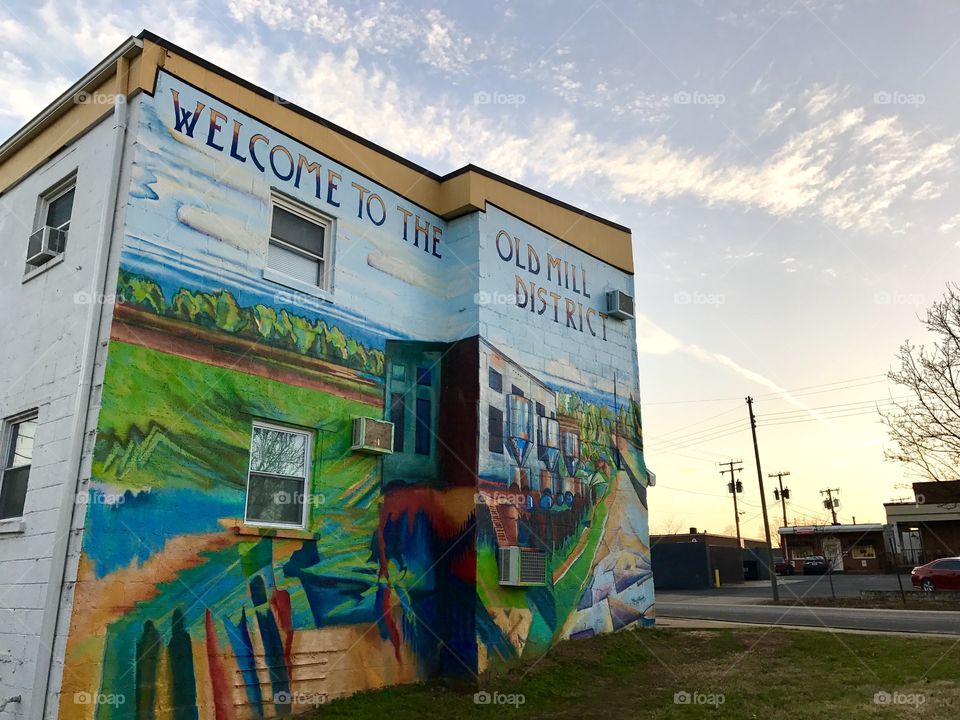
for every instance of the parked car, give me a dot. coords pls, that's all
(815, 565)
(942, 574)
(784, 567)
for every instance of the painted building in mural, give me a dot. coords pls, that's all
(297, 417)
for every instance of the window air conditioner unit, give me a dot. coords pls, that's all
(372, 436)
(45, 244)
(522, 567)
(620, 305)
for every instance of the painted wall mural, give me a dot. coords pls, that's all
(509, 432)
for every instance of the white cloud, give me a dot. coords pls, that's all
(950, 223)
(390, 26)
(654, 340)
(774, 117)
(845, 165)
(22, 94)
(930, 190)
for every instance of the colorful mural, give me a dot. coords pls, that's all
(182, 607)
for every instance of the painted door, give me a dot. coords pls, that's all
(413, 406)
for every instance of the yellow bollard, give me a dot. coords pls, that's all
(716, 578)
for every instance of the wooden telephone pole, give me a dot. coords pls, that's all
(771, 566)
(734, 487)
(783, 495)
(831, 503)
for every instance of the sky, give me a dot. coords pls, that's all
(787, 169)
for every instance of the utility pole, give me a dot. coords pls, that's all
(831, 503)
(763, 504)
(783, 495)
(734, 487)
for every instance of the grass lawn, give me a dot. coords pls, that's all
(760, 673)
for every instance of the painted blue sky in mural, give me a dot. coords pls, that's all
(785, 165)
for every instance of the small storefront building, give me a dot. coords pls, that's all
(927, 527)
(852, 548)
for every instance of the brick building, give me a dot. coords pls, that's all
(852, 548)
(928, 527)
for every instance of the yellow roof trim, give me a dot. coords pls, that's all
(465, 190)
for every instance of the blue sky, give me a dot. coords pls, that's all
(788, 169)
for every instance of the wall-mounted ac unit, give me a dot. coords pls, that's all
(522, 567)
(45, 244)
(620, 305)
(372, 436)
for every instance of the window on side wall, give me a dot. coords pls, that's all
(495, 430)
(300, 245)
(48, 241)
(278, 483)
(17, 447)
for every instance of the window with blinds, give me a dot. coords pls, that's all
(299, 243)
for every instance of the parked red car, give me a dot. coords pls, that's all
(942, 574)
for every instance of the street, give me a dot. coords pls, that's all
(744, 603)
(796, 586)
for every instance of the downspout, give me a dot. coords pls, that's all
(81, 409)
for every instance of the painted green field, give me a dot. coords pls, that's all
(170, 422)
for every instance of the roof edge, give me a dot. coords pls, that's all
(466, 189)
(470, 167)
(130, 47)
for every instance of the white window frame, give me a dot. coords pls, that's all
(52, 195)
(308, 475)
(6, 436)
(44, 200)
(311, 215)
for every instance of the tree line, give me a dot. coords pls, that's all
(219, 310)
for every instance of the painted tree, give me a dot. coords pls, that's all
(925, 428)
(141, 291)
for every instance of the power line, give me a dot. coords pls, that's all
(883, 401)
(825, 417)
(877, 379)
(675, 436)
(811, 389)
(699, 422)
(695, 433)
(679, 445)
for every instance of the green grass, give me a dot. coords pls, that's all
(761, 673)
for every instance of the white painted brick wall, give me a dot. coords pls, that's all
(41, 340)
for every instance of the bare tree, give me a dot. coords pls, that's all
(670, 526)
(925, 428)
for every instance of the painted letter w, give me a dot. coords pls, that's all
(185, 121)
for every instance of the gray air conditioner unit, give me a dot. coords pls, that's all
(620, 305)
(522, 567)
(45, 244)
(372, 436)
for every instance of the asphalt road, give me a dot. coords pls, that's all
(739, 603)
(921, 621)
(797, 586)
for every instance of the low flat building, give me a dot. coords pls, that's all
(928, 527)
(690, 561)
(858, 548)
